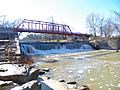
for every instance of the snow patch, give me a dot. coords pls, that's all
(13, 69)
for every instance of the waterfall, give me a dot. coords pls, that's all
(28, 50)
(53, 48)
(85, 46)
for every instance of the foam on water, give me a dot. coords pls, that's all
(30, 50)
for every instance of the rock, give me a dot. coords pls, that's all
(71, 82)
(3, 70)
(48, 77)
(84, 87)
(31, 85)
(50, 84)
(49, 60)
(13, 69)
(34, 75)
(6, 85)
(61, 80)
(21, 79)
(46, 69)
(41, 72)
(72, 85)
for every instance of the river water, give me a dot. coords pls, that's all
(77, 65)
(99, 74)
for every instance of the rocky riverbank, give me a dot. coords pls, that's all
(18, 77)
(25, 77)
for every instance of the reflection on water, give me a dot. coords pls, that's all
(101, 75)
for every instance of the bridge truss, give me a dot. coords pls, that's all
(45, 27)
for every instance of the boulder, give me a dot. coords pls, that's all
(20, 75)
(31, 85)
(21, 79)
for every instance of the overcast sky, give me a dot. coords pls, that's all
(70, 12)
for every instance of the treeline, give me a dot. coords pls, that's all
(105, 31)
(44, 37)
(6, 23)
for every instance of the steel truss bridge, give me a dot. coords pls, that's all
(45, 27)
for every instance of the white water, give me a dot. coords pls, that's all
(30, 50)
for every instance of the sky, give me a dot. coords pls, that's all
(70, 12)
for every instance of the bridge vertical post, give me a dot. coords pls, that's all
(42, 26)
(58, 28)
(28, 25)
(39, 25)
(46, 26)
(32, 25)
(52, 27)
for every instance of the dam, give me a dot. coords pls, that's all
(32, 48)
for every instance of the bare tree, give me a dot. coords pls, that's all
(118, 15)
(117, 22)
(117, 26)
(91, 23)
(95, 24)
(4, 22)
(100, 25)
(109, 28)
